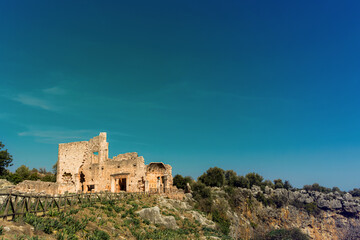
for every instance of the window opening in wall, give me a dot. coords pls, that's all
(96, 153)
(90, 187)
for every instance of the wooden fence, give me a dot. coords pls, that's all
(17, 204)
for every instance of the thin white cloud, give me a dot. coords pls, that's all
(33, 101)
(57, 136)
(55, 91)
(63, 135)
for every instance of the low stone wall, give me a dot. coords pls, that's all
(28, 186)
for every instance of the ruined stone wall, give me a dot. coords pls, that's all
(72, 156)
(155, 172)
(129, 166)
(85, 166)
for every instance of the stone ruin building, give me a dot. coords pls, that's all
(85, 166)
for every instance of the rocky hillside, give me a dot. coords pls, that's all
(254, 212)
(236, 213)
(135, 217)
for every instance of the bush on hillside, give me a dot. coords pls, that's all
(254, 179)
(180, 181)
(317, 187)
(287, 185)
(214, 177)
(355, 192)
(222, 220)
(202, 194)
(278, 183)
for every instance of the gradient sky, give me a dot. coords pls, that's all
(254, 86)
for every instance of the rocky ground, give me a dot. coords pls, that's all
(136, 217)
(321, 216)
(252, 214)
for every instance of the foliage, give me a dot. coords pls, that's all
(23, 173)
(267, 183)
(231, 178)
(254, 179)
(64, 223)
(242, 182)
(24, 237)
(287, 185)
(286, 234)
(266, 201)
(214, 177)
(312, 208)
(278, 183)
(49, 178)
(355, 192)
(279, 200)
(97, 235)
(5, 160)
(202, 194)
(317, 187)
(222, 220)
(180, 181)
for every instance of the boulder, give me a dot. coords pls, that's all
(175, 204)
(348, 197)
(330, 204)
(351, 207)
(5, 184)
(153, 215)
(203, 220)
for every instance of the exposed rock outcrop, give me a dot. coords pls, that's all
(5, 185)
(153, 215)
(320, 215)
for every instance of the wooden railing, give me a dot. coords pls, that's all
(17, 204)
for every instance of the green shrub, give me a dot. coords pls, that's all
(214, 177)
(202, 194)
(222, 220)
(98, 235)
(180, 181)
(279, 201)
(312, 208)
(278, 183)
(355, 192)
(317, 187)
(265, 201)
(254, 179)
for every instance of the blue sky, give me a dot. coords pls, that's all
(253, 86)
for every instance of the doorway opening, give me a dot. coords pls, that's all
(122, 184)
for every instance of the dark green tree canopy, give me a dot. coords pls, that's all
(5, 159)
(254, 179)
(214, 177)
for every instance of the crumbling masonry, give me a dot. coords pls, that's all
(86, 167)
